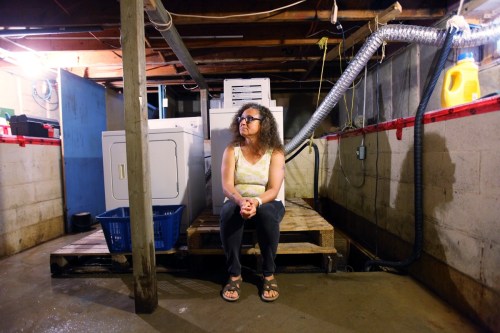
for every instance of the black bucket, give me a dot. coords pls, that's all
(81, 222)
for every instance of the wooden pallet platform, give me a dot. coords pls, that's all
(90, 254)
(302, 231)
(93, 244)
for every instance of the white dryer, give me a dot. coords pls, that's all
(176, 167)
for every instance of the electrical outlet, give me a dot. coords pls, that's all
(361, 152)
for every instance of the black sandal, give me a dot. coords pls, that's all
(232, 285)
(270, 285)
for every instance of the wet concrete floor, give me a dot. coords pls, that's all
(31, 300)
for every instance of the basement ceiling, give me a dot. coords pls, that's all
(226, 39)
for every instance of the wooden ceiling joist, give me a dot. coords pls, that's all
(297, 16)
(387, 15)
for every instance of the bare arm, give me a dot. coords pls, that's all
(227, 173)
(276, 176)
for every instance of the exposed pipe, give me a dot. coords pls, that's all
(418, 136)
(162, 21)
(392, 33)
(48, 31)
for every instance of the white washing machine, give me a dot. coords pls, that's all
(176, 167)
(220, 136)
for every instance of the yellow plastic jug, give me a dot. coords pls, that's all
(461, 82)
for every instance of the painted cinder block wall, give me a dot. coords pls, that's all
(461, 188)
(299, 172)
(31, 210)
(31, 195)
(461, 204)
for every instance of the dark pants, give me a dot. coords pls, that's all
(266, 222)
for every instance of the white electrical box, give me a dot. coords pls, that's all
(241, 91)
(176, 167)
(220, 136)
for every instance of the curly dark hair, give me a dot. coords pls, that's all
(268, 135)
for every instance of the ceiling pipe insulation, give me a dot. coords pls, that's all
(162, 21)
(389, 33)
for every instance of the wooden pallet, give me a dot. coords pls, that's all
(302, 231)
(90, 254)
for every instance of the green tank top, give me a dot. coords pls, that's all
(251, 179)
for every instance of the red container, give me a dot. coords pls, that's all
(5, 130)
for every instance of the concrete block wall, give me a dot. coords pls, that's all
(461, 187)
(31, 195)
(299, 173)
(400, 82)
(461, 198)
(31, 210)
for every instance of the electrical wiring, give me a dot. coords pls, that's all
(19, 45)
(300, 81)
(105, 43)
(346, 177)
(339, 152)
(352, 95)
(187, 88)
(314, 23)
(47, 96)
(348, 124)
(323, 45)
(349, 121)
(364, 101)
(163, 26)
(45, 100)
(355, 85)
(377, 92)
(331, 32)
(460, 7)
(237, 15)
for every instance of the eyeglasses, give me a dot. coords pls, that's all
(248, 119)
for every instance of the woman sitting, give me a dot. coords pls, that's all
(253, 169)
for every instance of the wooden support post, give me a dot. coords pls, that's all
(136, 134)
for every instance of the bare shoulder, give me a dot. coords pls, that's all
(229, 148)
(278, 153)
(278, 156)
(229, 151)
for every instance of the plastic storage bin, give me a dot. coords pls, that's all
(116, 227)
(34, 126)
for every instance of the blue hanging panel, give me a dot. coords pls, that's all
(83, 117)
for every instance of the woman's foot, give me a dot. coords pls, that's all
(270, 290)
(231, 291)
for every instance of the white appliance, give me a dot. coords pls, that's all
(220, 136)
(241, 91)
(176, 166)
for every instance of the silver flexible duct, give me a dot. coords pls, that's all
(388, 33)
